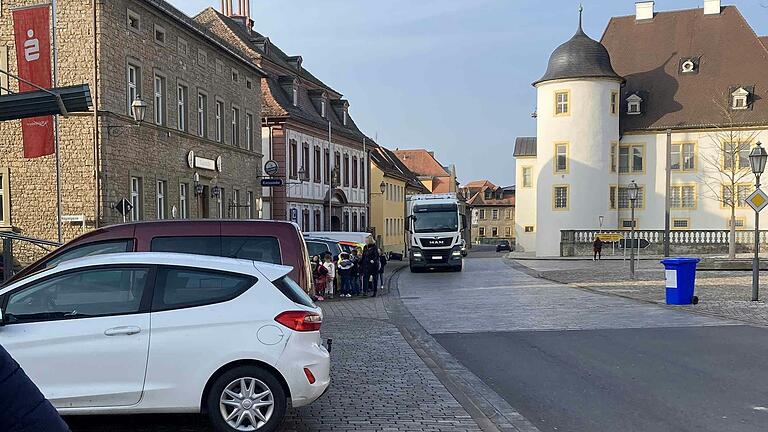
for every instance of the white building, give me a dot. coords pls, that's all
(603, 112)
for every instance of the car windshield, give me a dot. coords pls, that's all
(436, 221)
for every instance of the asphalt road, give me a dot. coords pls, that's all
(571, 360)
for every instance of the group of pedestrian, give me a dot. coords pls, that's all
(352, 274)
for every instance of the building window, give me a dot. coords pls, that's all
(236, 126)
(509, 214)
(249, 205)
(293, 155)
(740, 222)
(633, 104)
(183, 200)
(354, 171)
(561, 158)
(363, 224)
(622, 197)
(631, 158)
(182, 46)
(346, 221)
(346, 169)
(5, 197)
(627, 224)
(202, 115)
(481, 214)
(219, 67)
(508, 231)
(249, 131)
(160, 108)
(159, 34)
(494, 232)
(202, 58)
(495, 214)
(683, 157)
(317, 165)
(236, 203)
(612, 197)
(336, 168)
(742, 192)
(527, 177)
(137, 211)
(235, 75)
(739, 99)
(481, 231)
(305, 161)
(134, 21)
(362, 172)
(318, 221)
(295, 92)
(181, 96)
(683, 196)
(248, 83)
(562, 103)
(681, 224)
(305, 220)
(614, 103)
(560, 197)
(161, 188)
(219, 121)
(133, 90)
(528, 228)
(327, 157)
(613, 156)
(732, 151)
(354, 221)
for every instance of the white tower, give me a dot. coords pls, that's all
(576, 126)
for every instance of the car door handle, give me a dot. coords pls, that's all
(122, 331)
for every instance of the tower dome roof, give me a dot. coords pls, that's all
(580, 57)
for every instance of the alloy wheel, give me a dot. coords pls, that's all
(246, 404)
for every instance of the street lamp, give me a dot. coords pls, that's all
(138, 109)
(600, 222)
(757, 159)
(632, 190)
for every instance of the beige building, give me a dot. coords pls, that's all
(391, 183)
(197, 152)
(493, 211)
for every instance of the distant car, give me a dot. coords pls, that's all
(168, 333)
(503, 246)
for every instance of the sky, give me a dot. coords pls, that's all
(452, 76)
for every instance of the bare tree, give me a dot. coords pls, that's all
(726, 173)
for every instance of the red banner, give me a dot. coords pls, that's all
(31, 26)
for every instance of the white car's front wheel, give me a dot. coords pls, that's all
(246, 398)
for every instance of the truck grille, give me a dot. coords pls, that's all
(436, 242)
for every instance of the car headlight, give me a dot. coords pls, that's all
(417, 254)
(456, 253)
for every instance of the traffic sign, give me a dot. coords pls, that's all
(757, 200)
(610, 237)
(271, 168)
(633, 243)
(269, 182)
(124, 206)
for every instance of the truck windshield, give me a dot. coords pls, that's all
(426, 221)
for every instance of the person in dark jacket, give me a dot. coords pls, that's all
(356, 274)
(22, 407)
(370, 264)
(597, 247)
(382, 264)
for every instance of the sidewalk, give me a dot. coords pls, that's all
(724, 294)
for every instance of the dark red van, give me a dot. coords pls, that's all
(269, 241)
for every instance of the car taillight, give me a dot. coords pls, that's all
(310, 376)
(301, 321)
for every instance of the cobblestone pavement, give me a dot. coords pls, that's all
(379, 383)
(725, 294)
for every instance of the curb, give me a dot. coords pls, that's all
(489, 410)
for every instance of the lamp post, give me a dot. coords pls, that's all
(600, 222)
(757, 159)
(632, 192)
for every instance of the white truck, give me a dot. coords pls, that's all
(434, 226)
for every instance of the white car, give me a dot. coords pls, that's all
(168, 333)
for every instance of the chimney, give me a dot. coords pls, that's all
(643, 10)
(711, 7)
(243, 15)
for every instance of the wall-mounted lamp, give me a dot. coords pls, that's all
(138, 111)
(197, 185)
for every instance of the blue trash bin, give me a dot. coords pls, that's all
(680, 278)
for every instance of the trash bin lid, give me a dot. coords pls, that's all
(679, 260)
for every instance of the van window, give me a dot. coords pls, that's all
(316, 248)
(266, 249)
(179, 287)
(107, 247)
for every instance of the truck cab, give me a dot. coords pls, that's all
(435, 226)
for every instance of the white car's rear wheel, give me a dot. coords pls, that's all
(246, 399)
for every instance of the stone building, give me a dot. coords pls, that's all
(197, 152)
(493, 211)
(688, 83)
(392, 183)
(326, 185)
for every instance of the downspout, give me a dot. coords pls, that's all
(96, 156)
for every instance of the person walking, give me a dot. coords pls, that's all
(331, 276)
(597, 247)
(371, 267)
(345, 273)
(382, 264)
(355, 258)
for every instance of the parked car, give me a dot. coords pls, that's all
(268, 241)
(503, 246)
(321, 245)
(168, 333)
(342, 236)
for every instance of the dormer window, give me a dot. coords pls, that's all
(633, 104)
(346, 115)
(295, 96)
(322, 108)
(739, 99)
